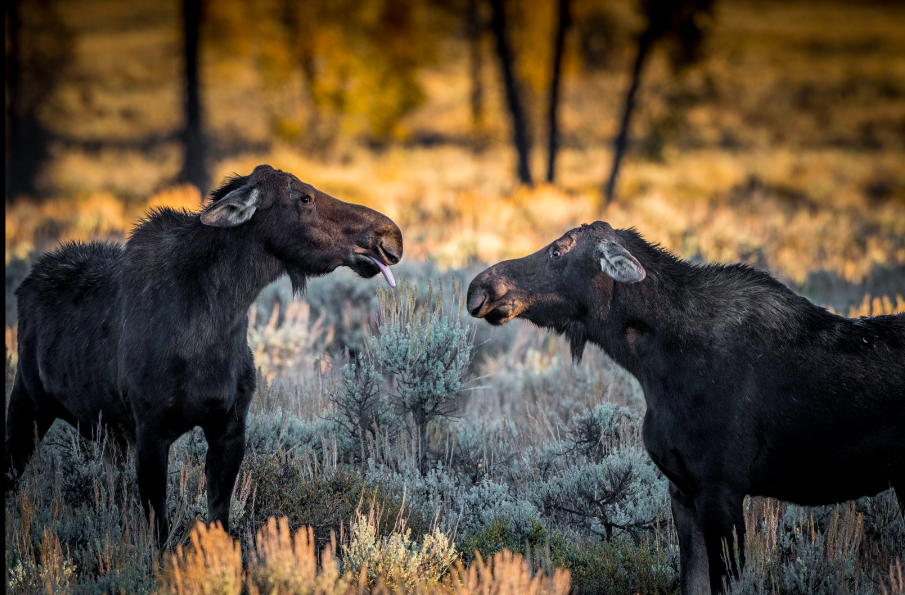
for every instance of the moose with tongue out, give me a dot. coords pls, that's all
(150, 338)
(750, 388)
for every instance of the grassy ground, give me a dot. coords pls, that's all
(782, 148)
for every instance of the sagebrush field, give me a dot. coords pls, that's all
(782, 147)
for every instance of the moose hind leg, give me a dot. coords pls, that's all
(26, 426)
(695, 579)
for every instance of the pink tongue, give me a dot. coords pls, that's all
(387, 273)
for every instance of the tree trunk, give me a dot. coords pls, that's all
(553, 105)
(193, 169)
(421, 425)
(519, 122)
(26, 137)
(644, 44)
(292, 21)
(13, 123)
(476, 97)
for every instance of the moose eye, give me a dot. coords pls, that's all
(305, 198)
(556, 254)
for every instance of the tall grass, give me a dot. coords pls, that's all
(288, 563)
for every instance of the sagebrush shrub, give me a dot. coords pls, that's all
(426, 350)
(396, 560)
(361, 405)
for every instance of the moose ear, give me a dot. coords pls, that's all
(234, 209)
(619, 264)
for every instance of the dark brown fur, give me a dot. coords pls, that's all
(150, 338)
(750, 388)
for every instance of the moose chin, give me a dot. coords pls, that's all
(750, 388)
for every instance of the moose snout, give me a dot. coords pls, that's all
(476, 301)
(390, 250)
(386, 240)
(482, 292)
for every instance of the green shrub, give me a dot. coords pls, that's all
(498, 535)
(327, 502)
(361, 408)
(393, 558)
(427, 350)
(620, 566)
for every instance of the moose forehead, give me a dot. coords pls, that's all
(293, 183)
(283, 180)
(586, 230)
(290, 179)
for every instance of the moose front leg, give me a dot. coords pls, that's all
(152, 451)
(722, 521)
(225, 435)
(225, 451)
(692, 551)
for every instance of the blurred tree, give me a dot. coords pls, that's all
(665, 18)
(597, 32)
(38, 48)
(683, 50)
(359, 64)
(474, 29)
(520, 135)
(555, 83)
(193, 169)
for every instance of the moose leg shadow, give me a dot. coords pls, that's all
(695, 579)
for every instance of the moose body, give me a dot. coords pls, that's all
(149, 340)
(750, 388)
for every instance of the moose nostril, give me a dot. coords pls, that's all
(475, 309)
(389, 254)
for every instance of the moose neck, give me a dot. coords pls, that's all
(238, 271)
(205, 274)
(670, 326)
(643, 329)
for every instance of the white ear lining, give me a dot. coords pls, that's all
(234, 209)
(619, 264)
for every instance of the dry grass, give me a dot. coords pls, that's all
(877, 306)
(287, 563)
(281, 346)
(896, 583)
(719, 212)
(829, 549)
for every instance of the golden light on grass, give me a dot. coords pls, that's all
(759, 207)
(287, 562)
(211, 565)
(877, 306)
(506, 574)
(182, 197)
